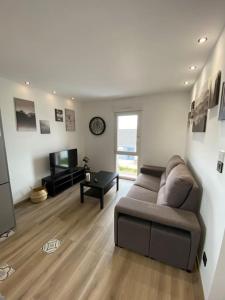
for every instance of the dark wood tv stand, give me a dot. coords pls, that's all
(57, 183)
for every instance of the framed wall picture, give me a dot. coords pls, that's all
(70, 119)
(215, 91)
(59, 115)
(25, 115)
(201, 112)
(192, 109)
(222, 104)
(189, 119)
(44, 127)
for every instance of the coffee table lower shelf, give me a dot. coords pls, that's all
(96, 193)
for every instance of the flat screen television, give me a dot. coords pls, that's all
(62, 161)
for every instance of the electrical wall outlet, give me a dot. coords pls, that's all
(220, 161)
(204, 258)
(220, 166)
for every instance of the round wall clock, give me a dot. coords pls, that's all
(97, 126)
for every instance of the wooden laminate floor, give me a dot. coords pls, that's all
(87, 265)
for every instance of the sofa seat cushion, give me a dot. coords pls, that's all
(149, 182)
(177, 188)
(140, 193)
(172, 163)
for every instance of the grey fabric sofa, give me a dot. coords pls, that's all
(159, 216)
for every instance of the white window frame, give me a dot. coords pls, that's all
(138, 142)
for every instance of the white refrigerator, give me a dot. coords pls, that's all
(7, 217)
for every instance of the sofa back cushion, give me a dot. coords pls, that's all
(172, 163)
(177, 188)
(163, 179)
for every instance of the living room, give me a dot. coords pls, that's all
(113, 219)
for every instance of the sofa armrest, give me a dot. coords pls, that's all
(152, 170)
(174, 217)
(164, 215)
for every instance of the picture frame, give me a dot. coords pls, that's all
(70, 119)
(45, 127)
(58, 115)
(25, 115)
(189, 119)
(222, 104)
(200, 113)
(215, 91)
(192, 105)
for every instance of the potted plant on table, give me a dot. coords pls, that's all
(86, 160)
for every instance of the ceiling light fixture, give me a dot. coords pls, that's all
(54, 92)
(186, 83)
(73, 98)
(193, 68)
(202, 40)
(27, 83)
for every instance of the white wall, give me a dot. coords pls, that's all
(27, 152)
(163, 128)
(217, 290)
(202, 153)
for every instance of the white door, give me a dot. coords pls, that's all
(127, 144)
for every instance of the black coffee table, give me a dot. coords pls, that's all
(105, 181)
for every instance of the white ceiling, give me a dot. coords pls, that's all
(93, 49)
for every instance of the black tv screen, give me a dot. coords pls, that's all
(63, 160)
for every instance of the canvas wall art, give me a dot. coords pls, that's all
(44, 127)
(191, 113)
(215, 90)
(200, 112)
(59, 115)
(192, 109)
(222, 104)
(25, 115)
(70, 119)
(189, 119)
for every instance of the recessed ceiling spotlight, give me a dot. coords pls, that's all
(186, 83)
(73, 98)
(27, 82)
(193, 68)
(54, 92)
(202, 40)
